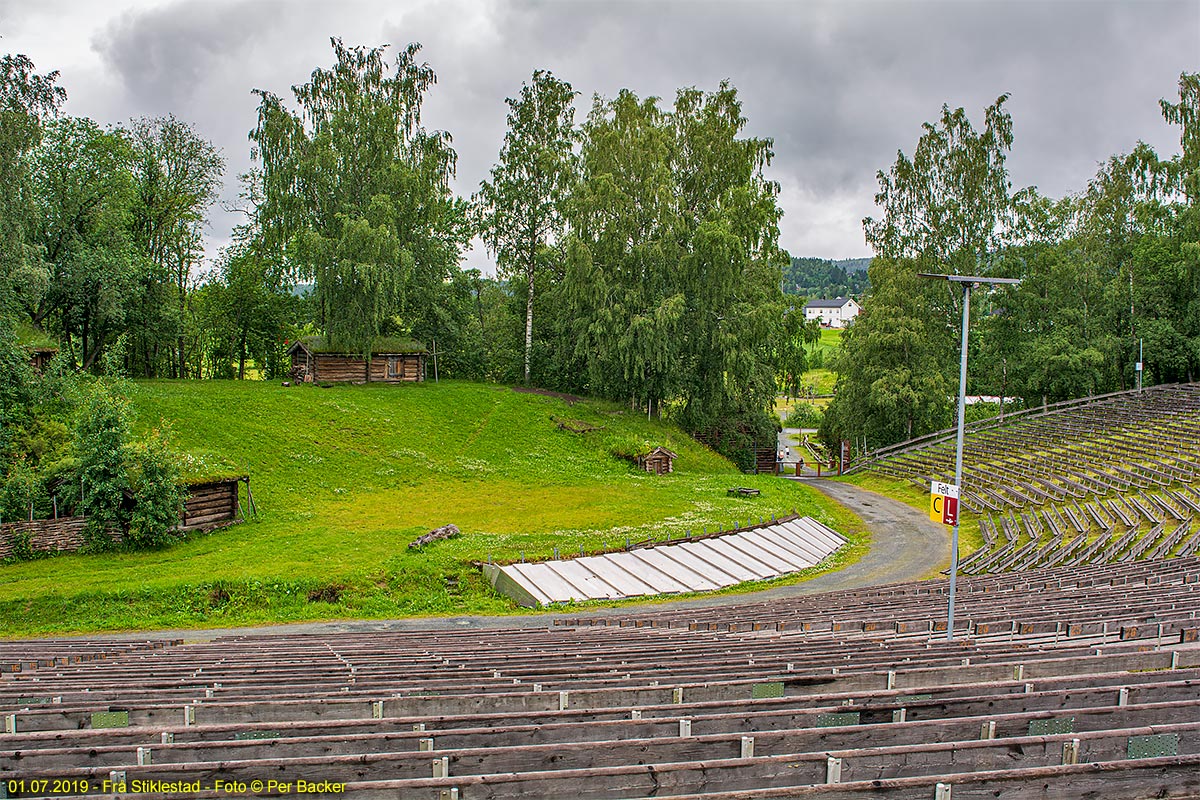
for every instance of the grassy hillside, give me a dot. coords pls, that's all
(346, 477)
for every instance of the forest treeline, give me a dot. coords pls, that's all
(824, 278)
(636, 248)
(1107, 273)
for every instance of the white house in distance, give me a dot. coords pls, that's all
(832, 313)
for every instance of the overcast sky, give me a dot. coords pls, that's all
(840, 86)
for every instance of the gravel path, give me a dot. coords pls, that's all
(905, 546)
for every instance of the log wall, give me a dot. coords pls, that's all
(338, 368)
(210, 504)
(398, 368)
(657, 464)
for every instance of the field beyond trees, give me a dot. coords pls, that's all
(345, 477)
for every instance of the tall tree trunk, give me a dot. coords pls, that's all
(242, 357)
(182, 312)
(529, 325)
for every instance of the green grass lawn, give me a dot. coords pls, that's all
(831, 339)
(823, 380)
(345, 477)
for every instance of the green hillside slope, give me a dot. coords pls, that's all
(345, 477)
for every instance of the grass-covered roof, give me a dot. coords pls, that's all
(34, 339)
(380, 345)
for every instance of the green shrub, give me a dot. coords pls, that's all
(21, 494)
(158, 494)
(21, 543)
(101, 436)
(804, 415)
(15, 380)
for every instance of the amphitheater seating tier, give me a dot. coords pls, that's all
(1070, 678)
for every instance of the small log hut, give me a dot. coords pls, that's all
(659, 461)
(391, 361)
(214, 503)
(40, 357)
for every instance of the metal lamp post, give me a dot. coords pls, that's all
(966, 281)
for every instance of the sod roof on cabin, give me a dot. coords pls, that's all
(31, 338)
(380, 345)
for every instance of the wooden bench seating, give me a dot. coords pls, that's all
(842, 692)
(1130, 458)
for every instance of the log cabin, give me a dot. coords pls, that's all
(41, 347)
(390, 361)
(40, 357)
(659, 461)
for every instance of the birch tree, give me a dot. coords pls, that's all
(672, 290)
(27, 101)
(356, 192)
(520, 207)
(177, 177)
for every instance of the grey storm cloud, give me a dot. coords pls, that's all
(164, 56)
(839, 86)
(837, 83)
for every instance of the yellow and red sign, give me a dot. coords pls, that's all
(943, 503)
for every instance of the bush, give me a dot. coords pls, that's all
(15, 380)
(22, 494)
(804, 415)
(158, 494)
(21, 544)
(88, 466)
(101, 436)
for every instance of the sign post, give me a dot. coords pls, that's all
(1138, 366)
(966, 281)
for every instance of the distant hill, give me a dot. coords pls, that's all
(854, 264)
(825, 278)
